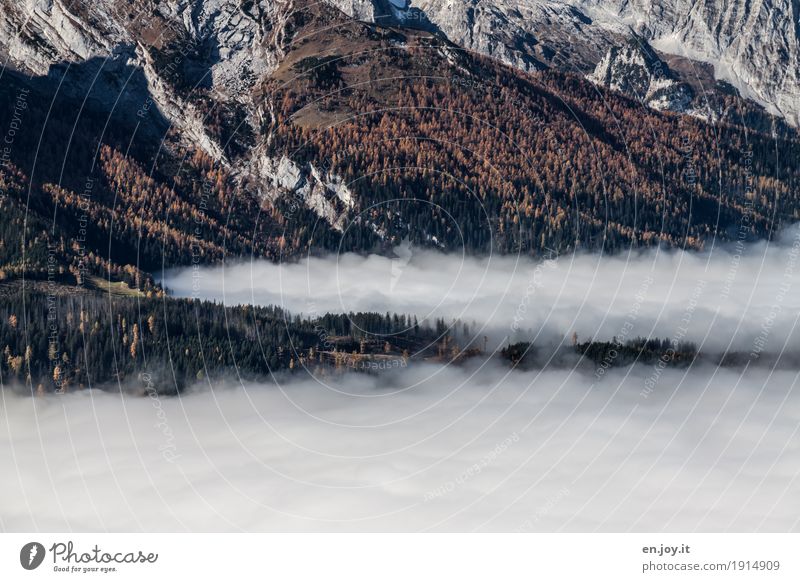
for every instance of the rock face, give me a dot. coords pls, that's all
(638, 72)
(218, 45)
(174, 54)
(529, 34)
(388, 12)
(326, 194)
(38, 33)
(753, 44)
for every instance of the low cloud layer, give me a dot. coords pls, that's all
(456, 448)
(744, 297)
(428, 448)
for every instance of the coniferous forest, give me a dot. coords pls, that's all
(435, 144)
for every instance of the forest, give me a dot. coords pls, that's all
(57, 338)
(517, 162)
(437, 145)
(446, 148)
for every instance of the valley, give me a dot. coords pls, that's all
(383, 265)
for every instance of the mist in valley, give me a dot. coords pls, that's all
(428, 448)
(477, 446)
(737, 297)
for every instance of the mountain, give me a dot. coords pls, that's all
(220, 128)
(639, 73)
(511, 160)
(753, 46)
(167, 133)
(717, 47)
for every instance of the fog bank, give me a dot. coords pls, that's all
(740, 297)
(456, 449)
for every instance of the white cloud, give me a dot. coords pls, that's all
(727, 297)
(442, 448)
(447, 448)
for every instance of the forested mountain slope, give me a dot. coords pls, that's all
(360, 136)
(221, 130)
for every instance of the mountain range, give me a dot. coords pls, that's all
(280, 127)
(144, 135)
(753, 46)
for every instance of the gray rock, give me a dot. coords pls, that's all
(753, 45)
